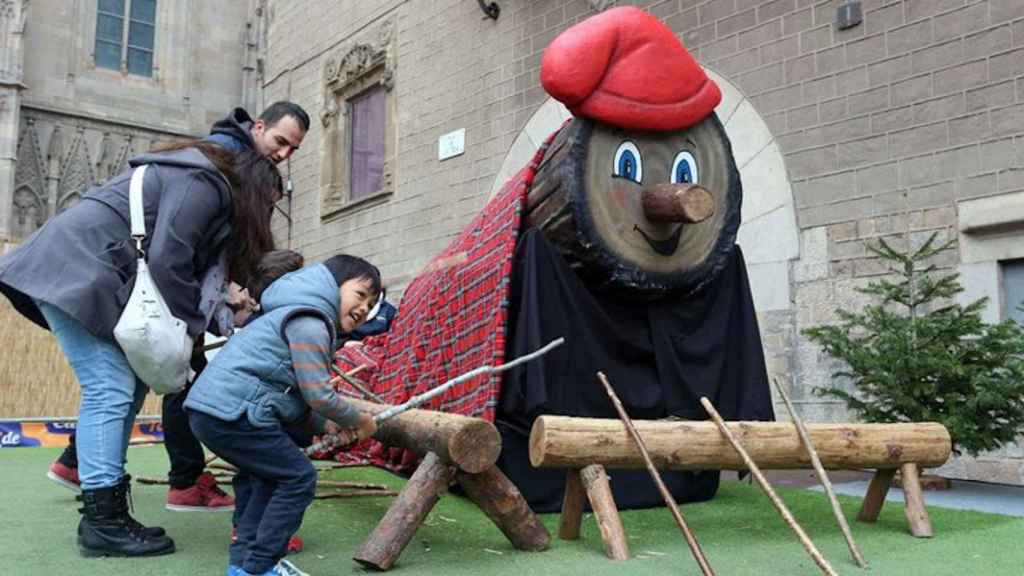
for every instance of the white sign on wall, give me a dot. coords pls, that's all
(451, 144)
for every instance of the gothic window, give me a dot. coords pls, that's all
(124, 35)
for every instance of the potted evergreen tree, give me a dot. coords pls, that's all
(918, 356)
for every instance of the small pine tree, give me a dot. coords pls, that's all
(918, 357)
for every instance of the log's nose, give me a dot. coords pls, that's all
(666, 202)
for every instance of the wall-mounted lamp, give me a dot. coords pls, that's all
(491, 9)
(849, 14)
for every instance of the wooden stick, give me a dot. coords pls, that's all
(822, 476)
(360, 485)
(763, 482)
(691, 541)
(350, 378)
(153, 480)
(354, 494)
(219, 466)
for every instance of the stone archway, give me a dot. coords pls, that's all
(768, 233)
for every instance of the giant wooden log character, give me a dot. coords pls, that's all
(566, 442)
(471, 444)
(640, 191)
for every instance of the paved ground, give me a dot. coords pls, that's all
(965, 495)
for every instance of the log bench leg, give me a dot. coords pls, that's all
(407, 512)
(572, 507)
(599, 492)
(875, 497)
(499, 498)
(917, 516)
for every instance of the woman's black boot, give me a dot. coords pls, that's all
(107, 529)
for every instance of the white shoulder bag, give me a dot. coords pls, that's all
(156, 343)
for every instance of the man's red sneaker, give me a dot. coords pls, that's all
(65, 476)
(203, 496)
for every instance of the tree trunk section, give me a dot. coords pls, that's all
(471, 444)
(567, 442)
(875, 497)
(414, 502)
(599, 491)
(572, 507)
(917, 516)
(499, 498)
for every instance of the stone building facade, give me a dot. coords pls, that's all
(906, 123)
(86, 84)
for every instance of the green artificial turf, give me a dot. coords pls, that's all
(739, 530)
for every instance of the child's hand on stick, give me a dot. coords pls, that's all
(366, 426)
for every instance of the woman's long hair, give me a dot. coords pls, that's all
(259, 188)
(255, 186)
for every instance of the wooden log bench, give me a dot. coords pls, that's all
(587, 446)
(459, 449)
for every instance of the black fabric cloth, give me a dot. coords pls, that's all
(661, 357)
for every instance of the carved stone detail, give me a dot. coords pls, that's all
(29, 202)
(76, 174)
(368, 60)
(354, 61)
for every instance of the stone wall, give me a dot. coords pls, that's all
(883, 128)
(101, 117)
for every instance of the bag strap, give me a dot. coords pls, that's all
(136, 207)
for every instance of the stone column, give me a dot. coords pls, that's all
(12, 28)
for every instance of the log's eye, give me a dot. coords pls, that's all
(684, 169)
(628, 163)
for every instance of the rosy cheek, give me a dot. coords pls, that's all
(619, 194)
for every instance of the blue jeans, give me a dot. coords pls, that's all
(274, 486)
(111, 397)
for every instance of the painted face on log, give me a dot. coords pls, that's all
(620, 165)
(591, 196)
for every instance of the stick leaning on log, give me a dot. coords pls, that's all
(822, 476)
(779, 504)
(388, 412)
(691, 541)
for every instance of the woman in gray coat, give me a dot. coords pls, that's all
(74, 275)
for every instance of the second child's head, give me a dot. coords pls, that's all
(272, 266)
(358, 288)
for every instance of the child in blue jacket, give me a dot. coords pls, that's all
(272, 374)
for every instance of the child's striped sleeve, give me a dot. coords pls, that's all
(310, 344)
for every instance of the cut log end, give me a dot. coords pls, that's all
(476, 446)
(537, 443)
(688, 203)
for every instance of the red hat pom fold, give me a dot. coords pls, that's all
(624, 67)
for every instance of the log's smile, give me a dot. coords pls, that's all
(666, 247)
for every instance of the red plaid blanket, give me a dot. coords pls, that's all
(451, 320)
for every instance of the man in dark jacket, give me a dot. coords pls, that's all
(276, 134)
